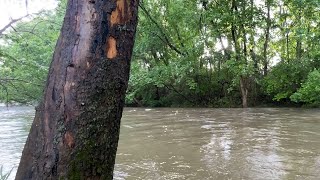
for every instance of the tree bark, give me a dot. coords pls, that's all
(244, 91)
(76, 128)
(267, 39)
(299, 39)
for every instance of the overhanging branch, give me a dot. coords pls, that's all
(11, 23)
(165, 37)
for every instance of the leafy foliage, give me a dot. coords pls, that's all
(190, 53)
(285, 79)
(25, 57)
(310, 90)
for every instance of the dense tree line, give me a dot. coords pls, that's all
(192, 53)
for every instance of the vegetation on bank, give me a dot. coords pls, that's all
(4, 175)
(191, 53)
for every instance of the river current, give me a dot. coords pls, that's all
(169, 143)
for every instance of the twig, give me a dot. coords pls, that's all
(19, 80)
(11, 23)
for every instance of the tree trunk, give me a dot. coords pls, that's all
(299, 39)
(76, 128)
(244, 91)
(299, 50)
(267, 39)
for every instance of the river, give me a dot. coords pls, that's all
(164, 144)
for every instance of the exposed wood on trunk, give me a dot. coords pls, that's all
(76, 128)
(111, 48)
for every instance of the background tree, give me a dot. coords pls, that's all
(227, 54)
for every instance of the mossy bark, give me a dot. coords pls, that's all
(76, 127)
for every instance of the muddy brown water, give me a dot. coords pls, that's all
(169, 143)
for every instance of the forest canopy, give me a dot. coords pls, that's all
(190, 53)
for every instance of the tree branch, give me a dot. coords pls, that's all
(172, 88)
(5, 80)
(11, 23)
(166, 39)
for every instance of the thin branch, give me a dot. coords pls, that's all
(11, 23)
(172, 88)
(179, 36)
(27, 7)
(19, 80)
(166, 39)
(18, 90)
(2, 54)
